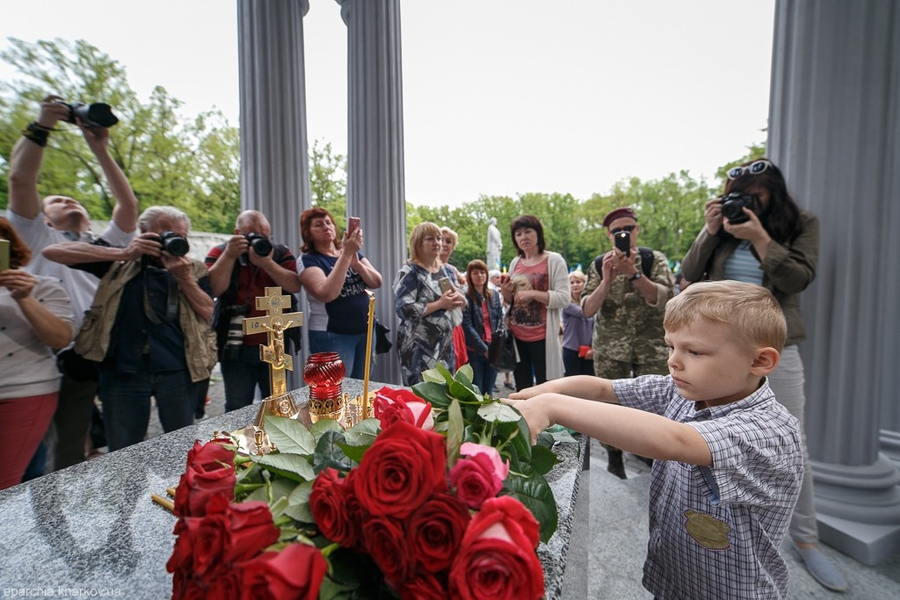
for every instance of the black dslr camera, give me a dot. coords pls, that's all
(260, 243)
(92, 115)
(174, 244)
(733, 205)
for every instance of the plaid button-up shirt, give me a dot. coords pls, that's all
(715, 531)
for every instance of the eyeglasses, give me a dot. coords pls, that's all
(628, 228)
(754, 168)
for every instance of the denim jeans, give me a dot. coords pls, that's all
(352, 349)
(126, 402)
(241, 376)
(484, 374)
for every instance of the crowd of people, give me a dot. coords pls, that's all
(712, 367)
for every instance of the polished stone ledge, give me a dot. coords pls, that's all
(93, 530)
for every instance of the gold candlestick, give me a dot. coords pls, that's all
(365, 395)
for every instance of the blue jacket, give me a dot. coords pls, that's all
(473, 325)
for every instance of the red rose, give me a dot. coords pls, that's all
(474, 480)
(403, 468)
(227, 534)
(210, 470)
(385, 541)
(497, 559)
(329, 501)
(249, 529)
(295, 572)
(394, 406)
(436, 530)
(423, 586)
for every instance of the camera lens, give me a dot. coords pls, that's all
(174, 244)
(260, 244)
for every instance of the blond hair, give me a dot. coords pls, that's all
(417, 237)
(750, 311)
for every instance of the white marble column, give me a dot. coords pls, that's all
(274, 159)
(835, 131)
(375, 184)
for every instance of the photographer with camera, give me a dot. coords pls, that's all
(756, 233)
(148, 325)
(240, 270)
(626, 292)
(55, 219)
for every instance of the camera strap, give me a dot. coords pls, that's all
(171, 302)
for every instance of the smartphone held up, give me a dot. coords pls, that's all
(623, 242)
(352, 224)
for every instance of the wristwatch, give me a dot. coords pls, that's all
(635, 276)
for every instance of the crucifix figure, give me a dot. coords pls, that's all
(274, 323)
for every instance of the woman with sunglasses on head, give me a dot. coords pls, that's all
(756, 233)
(537, 291)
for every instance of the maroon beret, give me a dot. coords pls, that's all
(618, 213)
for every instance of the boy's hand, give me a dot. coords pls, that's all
(534, 412)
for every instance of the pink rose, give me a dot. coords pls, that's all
(392, 406)
(479, 475)
(497, 558)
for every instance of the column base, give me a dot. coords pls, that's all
(869, 544)
(858, 508)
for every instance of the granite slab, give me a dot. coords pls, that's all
(92, 530)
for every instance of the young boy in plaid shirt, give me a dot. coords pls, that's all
(728, 463)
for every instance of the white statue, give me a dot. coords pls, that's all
(494, 245)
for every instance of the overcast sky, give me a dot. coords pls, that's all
(500, 96)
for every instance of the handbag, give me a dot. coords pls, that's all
(502, 351)
(382, 343)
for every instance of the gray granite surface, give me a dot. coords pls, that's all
(92, 530)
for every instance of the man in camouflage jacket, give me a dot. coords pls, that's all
(627, 295)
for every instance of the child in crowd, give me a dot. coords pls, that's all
(728, 462)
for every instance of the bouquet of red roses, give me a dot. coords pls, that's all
(442, 495)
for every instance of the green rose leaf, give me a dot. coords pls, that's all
(330, 452)
(321, 426)
(467, 371)
(535, 493)
(298, 503)
(290, 436)
(497, 411)
(363, 433)
(455, 432)
(543, 460)
(291, 466)
(433, 392)
(463, 392)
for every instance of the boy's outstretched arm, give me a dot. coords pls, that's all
(580, 386)
(630, 429)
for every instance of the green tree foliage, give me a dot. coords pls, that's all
(191, 164)
(328, 180)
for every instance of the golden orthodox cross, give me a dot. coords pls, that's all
(274, 323)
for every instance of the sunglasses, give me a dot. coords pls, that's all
(628, 228)
(754, 168)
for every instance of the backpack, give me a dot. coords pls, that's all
(646, 261)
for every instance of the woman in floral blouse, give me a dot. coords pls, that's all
(427, 313)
